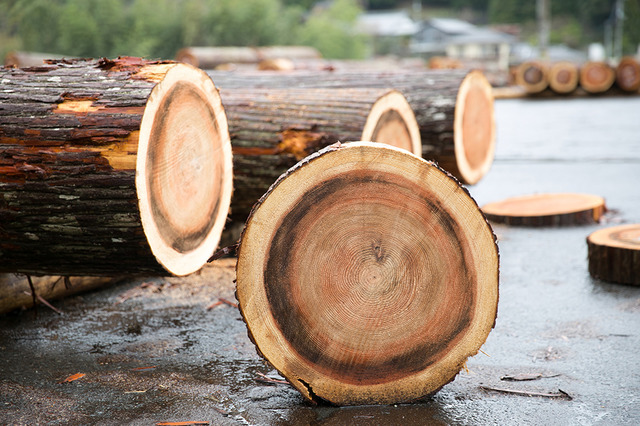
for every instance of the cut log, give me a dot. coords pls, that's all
(212, 57)
(532, 76)
(271, 130)
(563, 77)
(561, 209)
(614, 254)
(628, 74)
(15, 291)
(111, 167)
(17, 59)
(596, 77)
(367, 275)
(453, 108)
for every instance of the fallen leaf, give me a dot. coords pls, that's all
(73, 377)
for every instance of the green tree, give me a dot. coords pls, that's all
(77, 29)
(36, 23)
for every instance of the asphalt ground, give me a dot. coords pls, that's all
(156, 349)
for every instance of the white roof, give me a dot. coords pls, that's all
(397, 23)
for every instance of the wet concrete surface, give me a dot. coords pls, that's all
(151, 351)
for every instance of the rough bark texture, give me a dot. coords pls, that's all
(70, 133)
(628, 74)
(453, 108)
(271, 130)
(547, 210)
(563, 77)
(367, 275)
(614, 254)
(212, 57)
(532, 76)
(597, 77)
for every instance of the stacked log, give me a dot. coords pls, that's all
(628, 75)
(18, 59)
(272, 129)
(111, 167)
(596, 77)
(453, 108)
(532, 76)
(212, 57)
(563, 77)
(367, 275)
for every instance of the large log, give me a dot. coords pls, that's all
(271, 130)
(214, 56)
(367, 275)
(614, 254)
(532, 76)
(628, 74)
(111, 167)
(453, 108)
(563, 77)
(596, 77)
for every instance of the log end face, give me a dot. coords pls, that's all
(628, 74)
(596, 77)
(184, 170)
(474, 128)
(614, 254)
(345, 276)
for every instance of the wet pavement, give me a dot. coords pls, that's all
(151, 350)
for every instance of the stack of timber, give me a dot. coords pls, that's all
(367, 275)
(111, 167)
(628, 75)
(554, 209)
(454, 108)
(272, 129)
(213, 57)
(614, 254)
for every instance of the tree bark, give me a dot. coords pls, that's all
(628, 74)
(532, 76)
(547, 210)
(614, 254)
(453, 108)
(563, 77)
(272, 129)
(367, 275)
(212, 57)
(596, 77)
(111, 167)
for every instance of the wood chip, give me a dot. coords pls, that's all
(73, 377)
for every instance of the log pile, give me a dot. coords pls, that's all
(453, 108)
(111, 167)
(367, 275)
(213, 57)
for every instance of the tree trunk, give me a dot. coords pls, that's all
(15, 291)
(273, 129)
(111, 167)
(547, 210)
(563, 77)
(628, 74)
(614, 254)
(532, 76)
(454, 108)
(212, 57)
(367, 275)
(596, 77)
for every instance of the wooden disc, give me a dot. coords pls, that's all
(474, 128)
(614, 254)
(628, 74)
(547, 210)
(184, 170)
(392, 121)
(563, 77)
(532, 76)
(367, 275)
(596, 77)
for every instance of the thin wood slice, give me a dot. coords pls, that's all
(596, 77)
(532, 76)
(367, 275)
(628, 74)
(557, 209)
(563, 77)
(614, 254)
